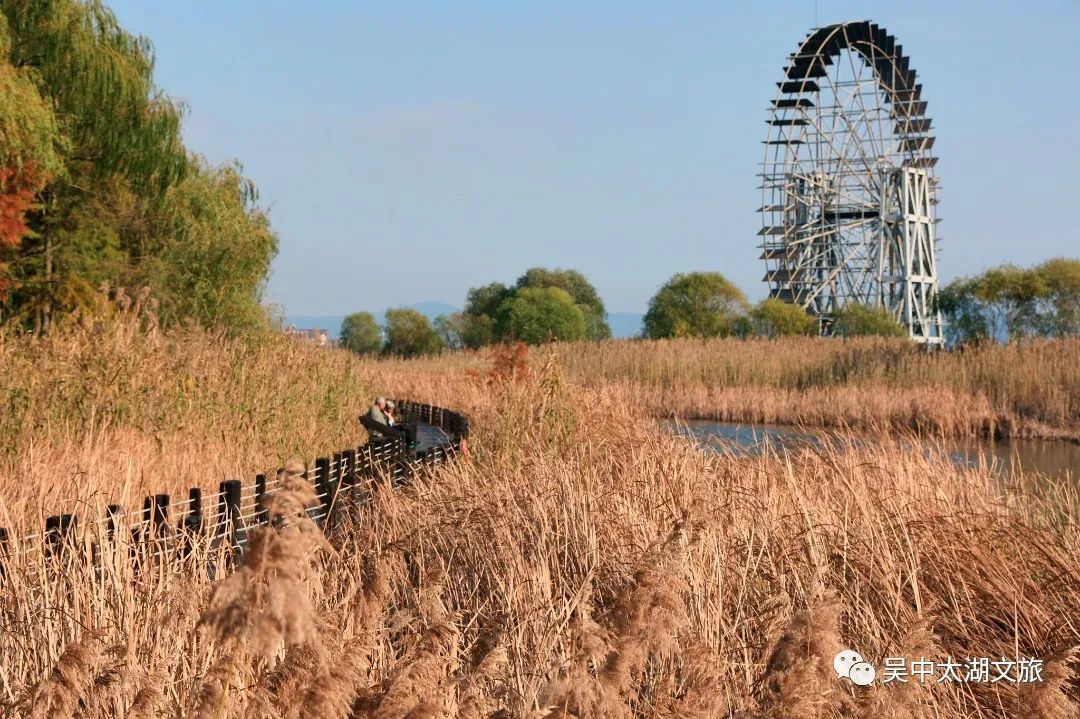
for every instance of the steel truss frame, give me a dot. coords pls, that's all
(848, 191)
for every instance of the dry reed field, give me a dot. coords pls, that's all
(575, 564)
(113, 409)
(1020, 389)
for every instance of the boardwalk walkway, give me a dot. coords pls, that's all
(428, 436)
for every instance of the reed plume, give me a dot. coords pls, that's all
(1055, 696)
(799, 680)
(418, 688)
(150, 696)
(71, 680)
(265, 607)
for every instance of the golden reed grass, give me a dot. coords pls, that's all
(1020, 389)
(575, 564)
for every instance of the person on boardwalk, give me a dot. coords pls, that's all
(407, 429)
(378, 410)
(376, 416)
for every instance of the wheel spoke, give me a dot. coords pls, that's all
(839, 142)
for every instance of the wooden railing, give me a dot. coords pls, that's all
(226, 515)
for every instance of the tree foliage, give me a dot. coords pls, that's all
(409, 334)
(98, 78)
(103, 189)
(453, 329)
(1014, 302)
(29, 135)
(483, 321)
(486, 318)
(212, 263)
(361, 334)
(582, 292)
(773, 317)
(859, 320)
(539, 314)
(695, 304)
(1058, 310)
(487, 299)
(30, 145)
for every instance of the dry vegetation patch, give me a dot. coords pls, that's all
(576, 564)
(1029, 388)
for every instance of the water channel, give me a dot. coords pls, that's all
(1058, 461)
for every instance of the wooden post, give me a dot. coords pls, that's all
(59, 530)
(349, 478)
(112, 513)
(67, 528)
(52, 533)
(192, 523)
(260, 493)
(230, 502)
(160, 520)
(3, 550)
(194, 515)
(324, 486)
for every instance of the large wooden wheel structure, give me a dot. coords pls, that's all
(848, 187)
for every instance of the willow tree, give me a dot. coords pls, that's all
(121, 135)
(214, 250)
(29, 152)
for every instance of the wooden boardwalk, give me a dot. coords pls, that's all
(428, 436)
(226, 515)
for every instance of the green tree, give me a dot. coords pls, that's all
(28, 128)
(409, 334)
(1014, 302)
(858, 320)
(30, 153)
(451, 328)
(487, 299)
(539, 314)
(1059, 305)
(1010, 297)
(773, 317)
(484, 321)
(695, 304)
(361, 334)
(118, 130)
(213, 252)
(580, 289)
(965, 315)
(477, 331)
(116, 198)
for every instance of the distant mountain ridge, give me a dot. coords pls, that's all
(623, 324)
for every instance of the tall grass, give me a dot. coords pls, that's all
(1019, 389)
(111, 408)
(577, 564)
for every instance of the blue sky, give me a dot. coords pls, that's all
(409, 151)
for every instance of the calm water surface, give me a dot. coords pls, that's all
(1054, 460)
